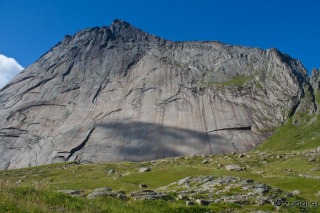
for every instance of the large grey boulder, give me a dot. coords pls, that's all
(117, 93)
(233, 167)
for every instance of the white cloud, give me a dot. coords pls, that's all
(9, 68)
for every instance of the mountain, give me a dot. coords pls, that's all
(117, 93)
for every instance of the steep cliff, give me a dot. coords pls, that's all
(117, 93)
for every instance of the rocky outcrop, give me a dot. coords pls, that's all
(117, 93)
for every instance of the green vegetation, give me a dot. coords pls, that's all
(292, 137)
(37, 192)
(304, 112)
(238, 81)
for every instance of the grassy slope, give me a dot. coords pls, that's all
(89, 177)
(290, 137)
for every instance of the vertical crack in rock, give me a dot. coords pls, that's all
(205, 126)
(99, 91)
(68, 71)
(7, 166)
(72, 151)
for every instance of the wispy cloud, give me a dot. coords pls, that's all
(9, 68)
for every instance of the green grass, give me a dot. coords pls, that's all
(292, 138)
(41, 196)
(238, 81)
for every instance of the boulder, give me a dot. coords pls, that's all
(205, 161)
(143, 186)
(202, 202)
(311, 159)
(296, 192)
(19, 181)
(110, 171)
(189, 203)
(233, 167)
(144, 169)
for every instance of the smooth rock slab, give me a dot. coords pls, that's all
(101, 194)
(151, 197)
(71, 192)
(142, 193)
(104, 189)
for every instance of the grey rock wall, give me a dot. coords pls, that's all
(120, 94)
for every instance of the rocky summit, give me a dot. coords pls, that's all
(117, 93)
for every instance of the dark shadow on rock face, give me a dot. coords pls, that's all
(139, 141)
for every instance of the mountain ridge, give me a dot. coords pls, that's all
(117, 93)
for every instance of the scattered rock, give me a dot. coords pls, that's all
(204, 155)
(288, 194)
(240, 155)
(279, 156)
(219, 165)
(288, 170)
(184, 180)
(246, 188)
(189, 203)
(182, 197)
(144, 169)
(260, 191)
(192, 155)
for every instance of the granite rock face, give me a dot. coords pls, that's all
(117, 93)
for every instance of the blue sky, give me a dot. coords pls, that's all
(29, 28)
